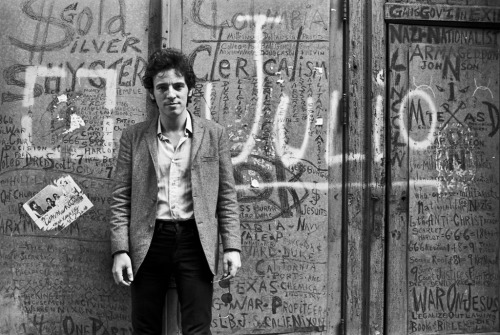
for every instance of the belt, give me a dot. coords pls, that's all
(191, 223)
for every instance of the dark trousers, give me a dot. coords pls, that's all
(175, 251)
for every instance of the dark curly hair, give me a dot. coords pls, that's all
(167, 59)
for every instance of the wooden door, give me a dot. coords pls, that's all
(444, 205)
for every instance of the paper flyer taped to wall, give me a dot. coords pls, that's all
(58, 205)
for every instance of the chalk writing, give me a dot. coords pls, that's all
(442, 13)
(69, 85)
(445, 123)
(267, 66)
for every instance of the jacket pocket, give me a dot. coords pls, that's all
(209, 158)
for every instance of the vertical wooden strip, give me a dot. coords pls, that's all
(171, 30)
(357, 294)
(376, 131)
(398, 184)
(155, 25)
(154, 39)
(334, 151)
(165, 23)
(175, 16)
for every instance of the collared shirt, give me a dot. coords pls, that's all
(175, 200)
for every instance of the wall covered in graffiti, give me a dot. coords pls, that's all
(69, 83)
(424, 124)
(444, 117)
(263, 72)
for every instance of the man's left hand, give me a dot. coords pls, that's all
(232, 262)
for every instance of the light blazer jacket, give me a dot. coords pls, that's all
(133, 208)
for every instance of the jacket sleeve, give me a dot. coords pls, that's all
(227, 203)
(121, 196)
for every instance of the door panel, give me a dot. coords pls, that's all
(443, 266)
(263, 72)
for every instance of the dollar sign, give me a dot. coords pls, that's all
(315, 196)
(69, 31)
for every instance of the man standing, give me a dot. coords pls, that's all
(174, 197)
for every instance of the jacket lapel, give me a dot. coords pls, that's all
(151, 138)
(198, 131)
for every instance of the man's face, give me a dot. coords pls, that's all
(171, 93)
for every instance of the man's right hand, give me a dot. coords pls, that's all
(122, 264)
